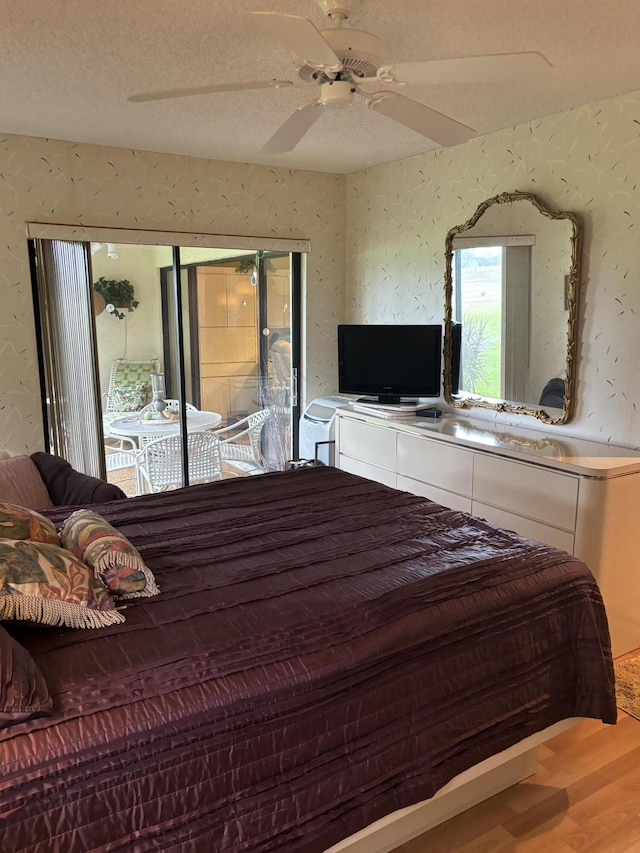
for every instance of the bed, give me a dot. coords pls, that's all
(324, 651)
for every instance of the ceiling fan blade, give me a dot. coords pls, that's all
(302, 38)
(294, 128)
(208, 90)
(417, 116)
(492, 68)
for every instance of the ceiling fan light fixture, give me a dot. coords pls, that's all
(337, 94)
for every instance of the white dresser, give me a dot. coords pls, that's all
(578, 495)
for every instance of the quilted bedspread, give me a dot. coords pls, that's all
(324, 650)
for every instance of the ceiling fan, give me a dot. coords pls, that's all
(341, 60)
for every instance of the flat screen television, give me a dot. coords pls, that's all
(390, 363)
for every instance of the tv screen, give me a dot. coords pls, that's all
(391, 362)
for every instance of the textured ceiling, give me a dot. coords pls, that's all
(68, 66)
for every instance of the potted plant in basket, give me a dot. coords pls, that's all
(118, 294)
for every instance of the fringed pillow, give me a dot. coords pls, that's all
(18, 522)
(23, 690)
(110, 554)
(46, 584)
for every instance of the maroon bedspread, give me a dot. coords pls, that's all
(324, 651)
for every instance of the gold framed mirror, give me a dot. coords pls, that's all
(511, 285)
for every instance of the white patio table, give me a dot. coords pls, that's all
(133, 426)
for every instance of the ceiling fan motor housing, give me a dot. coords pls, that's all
(358, 51)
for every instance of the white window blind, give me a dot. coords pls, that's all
(72, 389)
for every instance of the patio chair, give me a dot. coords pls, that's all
(129, 390)
(124, 456)
(160, 461)
(121, 457)
(240, 449)
(129, 385)
(553, 393)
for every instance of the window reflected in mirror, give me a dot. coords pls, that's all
(511, 284)
(495, 350)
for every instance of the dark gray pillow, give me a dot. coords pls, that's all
(68, 487)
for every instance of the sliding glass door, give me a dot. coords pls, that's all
(238, 325)
(211, 336)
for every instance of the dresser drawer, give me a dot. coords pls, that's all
(367, 470)
(368, 443)
(530, 490)
(440, 496)
(525, 526)
(436, 463)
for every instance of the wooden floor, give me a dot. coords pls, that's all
(584, 797)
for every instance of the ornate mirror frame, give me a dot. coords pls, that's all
(571, 303)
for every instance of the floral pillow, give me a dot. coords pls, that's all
(18, 522)
(23, 690)
(131, 398)
(46, 584)
(110, 554)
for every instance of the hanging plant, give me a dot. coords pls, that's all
(117, 294)
(249, 264)
(246, 265)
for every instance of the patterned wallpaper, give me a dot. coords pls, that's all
(586, 160)
(52, 181)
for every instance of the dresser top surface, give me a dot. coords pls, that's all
(581, 456)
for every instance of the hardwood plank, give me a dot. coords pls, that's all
(626, 839)
(547, 837)
(598, 748)
(578, 757)
(552, 799)
(491, 841)
(574, 735)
